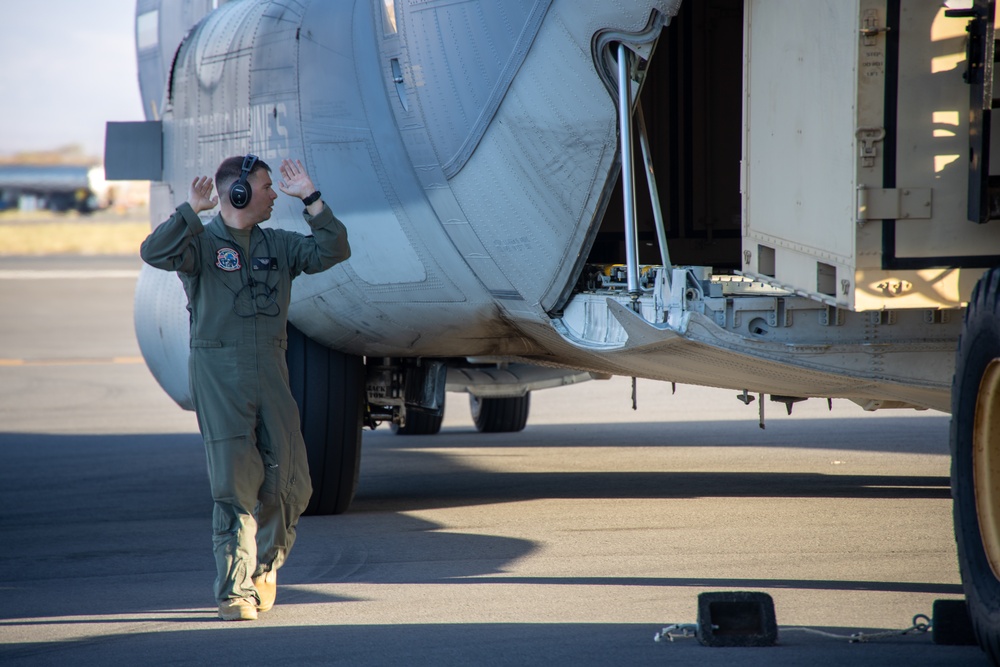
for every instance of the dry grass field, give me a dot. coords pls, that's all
(46, 233)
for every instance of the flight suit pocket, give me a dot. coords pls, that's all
(273, 472)
(286, 470)
(299, 482)
(235, 471)
(211, 343)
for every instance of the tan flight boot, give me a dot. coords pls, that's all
(267, 589)
(238, 609)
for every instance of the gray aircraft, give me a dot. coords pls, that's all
(774, 196)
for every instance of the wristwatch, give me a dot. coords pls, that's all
(311, 198)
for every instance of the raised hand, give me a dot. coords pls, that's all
(200, 195)
(294, 179)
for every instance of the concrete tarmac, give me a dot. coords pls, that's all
(571, 543)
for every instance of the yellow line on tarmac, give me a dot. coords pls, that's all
(71, 362)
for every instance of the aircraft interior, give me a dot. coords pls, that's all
(692, 102)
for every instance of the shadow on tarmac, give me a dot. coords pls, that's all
(78, 510)
(150, 494)
(910, 434)
(419, 645)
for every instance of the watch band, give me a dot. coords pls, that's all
(311, 198)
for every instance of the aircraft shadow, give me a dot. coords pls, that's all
(478, 487)
(916, 434)
(79, 512)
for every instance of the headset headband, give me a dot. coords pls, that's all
(248, 162)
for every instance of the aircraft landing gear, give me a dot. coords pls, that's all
(500, 415)
(419, 423)
(329, 387)
(975, 467)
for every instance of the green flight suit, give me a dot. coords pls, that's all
(239, 378)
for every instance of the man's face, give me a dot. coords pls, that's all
(262, 202)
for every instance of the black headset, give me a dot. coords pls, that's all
(240, 192)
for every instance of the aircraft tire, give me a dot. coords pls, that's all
(329, 389)
(500, 415)
(419, 423)
(975, 449)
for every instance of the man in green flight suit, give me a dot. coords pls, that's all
(238, 279)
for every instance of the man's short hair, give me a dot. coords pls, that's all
(230, 169)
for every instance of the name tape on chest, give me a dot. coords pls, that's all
(265, 264)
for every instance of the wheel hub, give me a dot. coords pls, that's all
(986, 462)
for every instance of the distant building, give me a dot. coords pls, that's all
(56, 187)
(64, 179)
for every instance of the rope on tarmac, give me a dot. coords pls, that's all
(921, 624)
(677, 631)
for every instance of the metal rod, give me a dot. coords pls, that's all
(628, 175)
(654, 194)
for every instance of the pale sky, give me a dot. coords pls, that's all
(66, 68)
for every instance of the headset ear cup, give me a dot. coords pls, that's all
(239, 194)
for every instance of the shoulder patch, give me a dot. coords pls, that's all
(227, 259)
